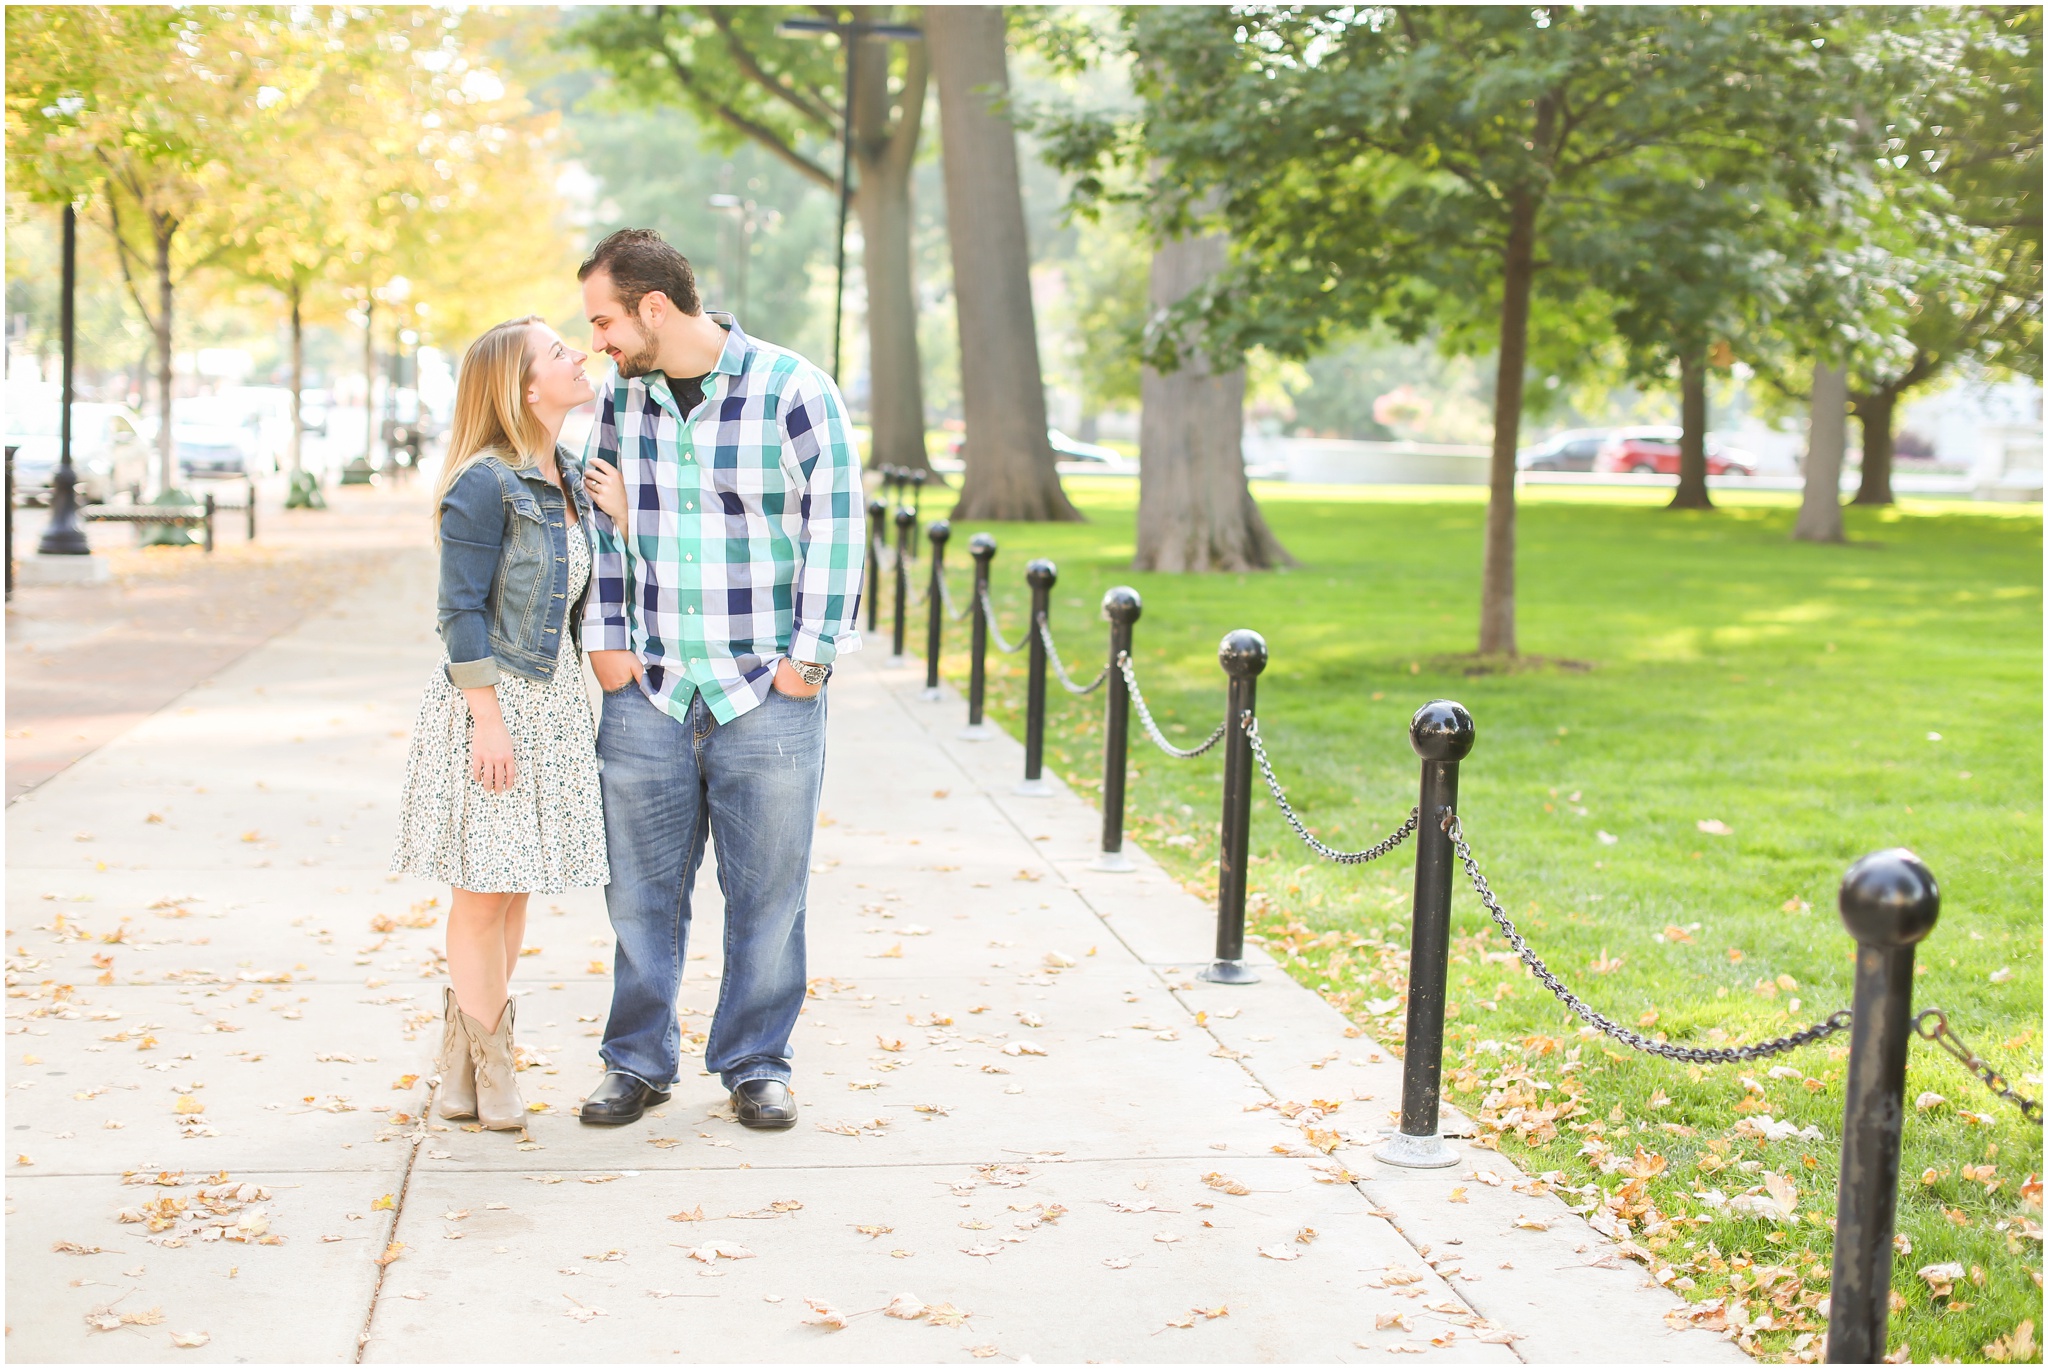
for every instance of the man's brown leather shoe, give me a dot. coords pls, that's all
(764, 1104)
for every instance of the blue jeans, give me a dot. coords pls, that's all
(752, 786)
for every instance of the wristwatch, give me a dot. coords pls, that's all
(813, 675)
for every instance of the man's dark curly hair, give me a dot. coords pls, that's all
(640, 261)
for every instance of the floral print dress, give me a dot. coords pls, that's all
(544, 834)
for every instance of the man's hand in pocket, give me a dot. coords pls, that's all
(615, 669)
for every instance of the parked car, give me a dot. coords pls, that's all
(1654, 451)
(215, 449)
(1570, 450)
(260, 413)
(314, 406)
(1063, 447)
(109, 448)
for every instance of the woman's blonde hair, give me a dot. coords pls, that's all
(492, 417)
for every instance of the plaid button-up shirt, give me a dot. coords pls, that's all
(746, 534)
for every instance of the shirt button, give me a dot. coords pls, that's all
(689, 506)
(688, 557)
(693, 608)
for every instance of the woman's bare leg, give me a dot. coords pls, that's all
(515, 932)
(476, 952)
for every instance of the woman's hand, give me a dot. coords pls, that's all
(607, 489)
(490, 744)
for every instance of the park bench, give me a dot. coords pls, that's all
(181, 515)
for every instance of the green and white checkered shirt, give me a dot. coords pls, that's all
(746, 536)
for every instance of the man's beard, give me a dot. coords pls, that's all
(640, 362)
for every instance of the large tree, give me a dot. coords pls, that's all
(1418, 166)
(1010, 463)
(730, 67)
(1953, 129)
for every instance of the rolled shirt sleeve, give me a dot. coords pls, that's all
(832, 545)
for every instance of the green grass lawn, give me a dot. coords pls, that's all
(1818, 702)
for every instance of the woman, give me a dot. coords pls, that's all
(501, 793)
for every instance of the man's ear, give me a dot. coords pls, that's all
(654, 309)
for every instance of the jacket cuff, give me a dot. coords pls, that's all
(817, 649)
(473, 674)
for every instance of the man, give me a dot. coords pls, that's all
(713, 621)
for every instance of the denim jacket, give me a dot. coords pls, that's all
(505, 571)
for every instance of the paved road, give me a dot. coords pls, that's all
(1019, 1107)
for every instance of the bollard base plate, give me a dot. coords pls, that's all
(45, 569)
(1112, 863)
(897, 662)
(1227, 972)
(1034, 789)
(977, 732)
(1416, 1152)
(931, 694)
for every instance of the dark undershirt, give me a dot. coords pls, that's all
(688, 391)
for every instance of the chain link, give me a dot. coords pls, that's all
(1695, 1055)
(946, 598)
(988, 614)
(1130, 674)
(1373, 852)
(1052, 653)
(1944, 1036)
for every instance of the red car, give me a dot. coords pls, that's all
(1654, 451)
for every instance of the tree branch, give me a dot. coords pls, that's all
(800, 101)
(759, 132)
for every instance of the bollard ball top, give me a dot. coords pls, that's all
(939, 531)
(917, 477)
(1242, 652)
(906, 517)
(1122, 605)
(876, 508)
(1889, 898)
(1442, 731)
(981, 545)
(1041, 573)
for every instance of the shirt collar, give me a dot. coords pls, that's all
(732, 360)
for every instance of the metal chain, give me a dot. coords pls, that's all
(1944, 1036)
(988, 614)
(946, 598)
(1373, 852)
(1695, 1055)
(1052, 653)
(1130, 674)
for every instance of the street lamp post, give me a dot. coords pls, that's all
(63, 536)
(743, 217)
(850, 32)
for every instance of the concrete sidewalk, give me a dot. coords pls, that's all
(1019, 1107)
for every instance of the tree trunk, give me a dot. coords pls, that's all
(1010, 465)
(1820, 508)
(166, 448)
(885, 157)
(298, 377)
(1195, 509)
(1497, 582)
(1876, 411)
(369, 376)
(1692, 439)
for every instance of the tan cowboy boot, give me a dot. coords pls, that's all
(498, 1105)
(456, 1099)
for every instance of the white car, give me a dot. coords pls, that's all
(110, 449)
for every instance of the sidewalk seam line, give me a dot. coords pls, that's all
(412, 1156)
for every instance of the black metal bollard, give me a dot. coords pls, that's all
(1243, 656)
(1040, 575)
(905, 520)
(935, 596)
(1442, 734)
(1122, 607)
(982, 548)
(1889, 902)
(913, 480)
(878, 537)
